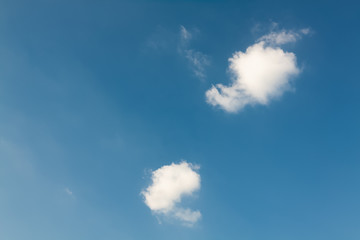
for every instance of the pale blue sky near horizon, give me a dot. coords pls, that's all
(94, 95)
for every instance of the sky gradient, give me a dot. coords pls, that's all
(96, 97)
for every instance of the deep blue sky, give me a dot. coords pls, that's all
(89, 105)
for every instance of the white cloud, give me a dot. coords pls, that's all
(197, 60)
(170, 184)
(261, 73)
(187, 215)
(185, 34)
(67, 190)
(283, 37)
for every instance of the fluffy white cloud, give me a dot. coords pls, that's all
(169, 184)
(197, 60)
(261, 73)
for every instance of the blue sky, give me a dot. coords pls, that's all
(100, 100)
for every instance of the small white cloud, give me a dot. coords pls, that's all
(188, 216)
(67, 190)
(261, 73)
(305, 31)
(170, 184)
(197, 60)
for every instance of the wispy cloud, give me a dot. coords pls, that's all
(170, 184)
(68, 192)
(185, 34)
(198, 60)
(261, 73)
(284, 36)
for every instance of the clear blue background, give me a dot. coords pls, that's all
(86, 103)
